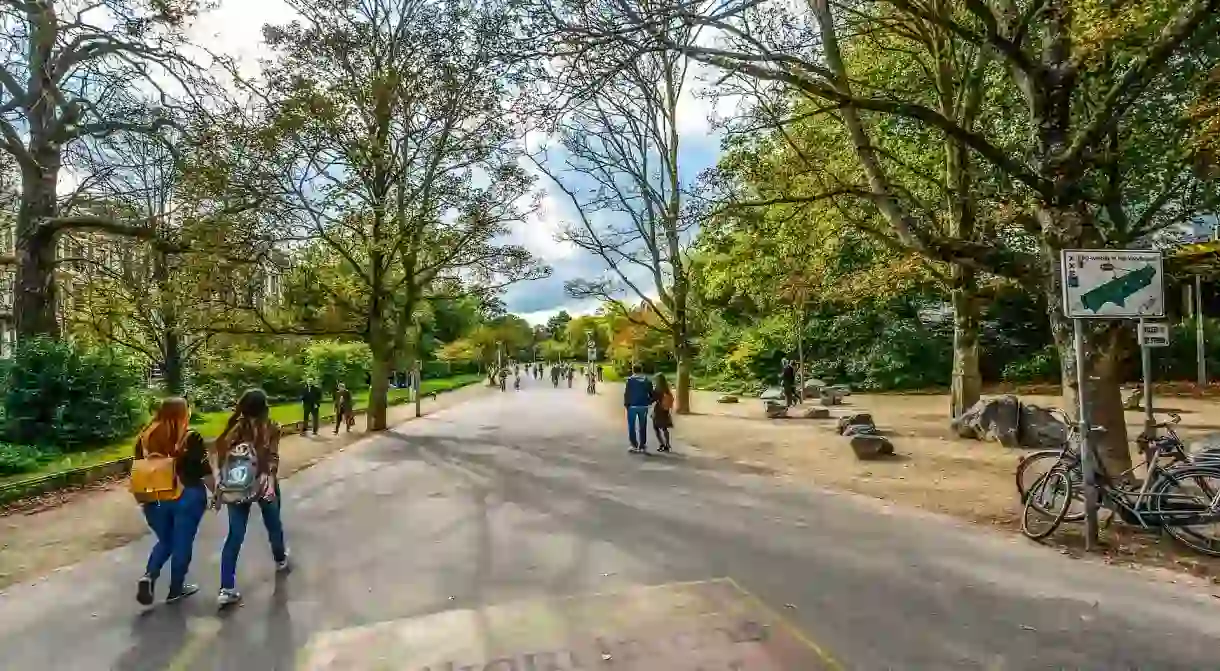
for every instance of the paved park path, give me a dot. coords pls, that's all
(514, 533)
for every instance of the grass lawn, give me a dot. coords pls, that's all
(211, 424)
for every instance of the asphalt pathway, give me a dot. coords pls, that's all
(478, 534)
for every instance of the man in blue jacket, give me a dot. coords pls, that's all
(637, 396)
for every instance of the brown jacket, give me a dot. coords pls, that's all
(265, 436)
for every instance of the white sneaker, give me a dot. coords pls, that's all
(228, 597)
(284, 565)
(187, 590)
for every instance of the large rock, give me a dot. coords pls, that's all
(1134, 399)
(1012, 423)
(844, 390)
(816, 413)
(727, 398)
(996, 418)
(813, 387)
(775, 410)
(855, 419)
(1040, 429)
(861, 430)
(831, 396)
(869, 447)
(772, 394)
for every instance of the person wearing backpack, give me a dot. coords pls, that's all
(248, 455)
(171, 477)
(662, 416)
(343, 408)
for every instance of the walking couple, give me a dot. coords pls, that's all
(173, 480)
(640, 393)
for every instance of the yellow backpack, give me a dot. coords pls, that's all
(155, 477)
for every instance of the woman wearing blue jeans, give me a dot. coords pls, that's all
(174, 523)
(250, 423)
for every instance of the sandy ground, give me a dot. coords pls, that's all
(934, 469)
(64, 530)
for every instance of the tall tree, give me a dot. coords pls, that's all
(619, 164)
(75, 73)
(392, 129)
(1091, 155)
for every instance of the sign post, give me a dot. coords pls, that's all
(1151, 334)
(1105, 284)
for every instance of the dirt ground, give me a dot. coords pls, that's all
(934, 469)
(45, 535)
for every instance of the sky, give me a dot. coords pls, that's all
(235, 28)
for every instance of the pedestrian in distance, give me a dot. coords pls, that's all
(662, 415)
(599, 372)
(343, 408)
(787, 378)
(555, 376)
(248, 451)
(637, 397)
(171, 477)
(311, 407)
(571, 376)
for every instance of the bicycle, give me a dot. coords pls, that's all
(1161, 500)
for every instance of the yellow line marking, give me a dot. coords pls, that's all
(796, 631)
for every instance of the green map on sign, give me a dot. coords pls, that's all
(1119, 289)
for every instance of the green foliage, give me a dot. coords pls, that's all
(70, 396)
(330, 362)
(17, 459)
(1042, 366)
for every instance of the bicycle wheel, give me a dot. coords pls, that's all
(1182, 501)
(1047, 504)
(1037, 464)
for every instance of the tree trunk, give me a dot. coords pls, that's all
(174, 382)
(967, 382)
(682, 386)
(1102, 363)
(36, 301)
(379, 392)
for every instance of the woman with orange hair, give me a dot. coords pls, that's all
(174, 522)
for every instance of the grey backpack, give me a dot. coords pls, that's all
(237, 482)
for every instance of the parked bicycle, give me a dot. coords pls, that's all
(1179, 493)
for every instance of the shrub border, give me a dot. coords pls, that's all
(87, 475)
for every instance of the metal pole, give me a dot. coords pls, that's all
(800, 354)
(1086, 451)
(1200, 346)
(1146, 360)
(416, 383)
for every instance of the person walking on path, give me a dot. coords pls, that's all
(662, 418)
(251, 425)
(599, 372)
(343, 408)
(637, 396)
(175, 522)
(555, 376)
(311, 407)
(571, 375)
(787, 379)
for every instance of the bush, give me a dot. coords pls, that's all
(1041, 367)
(71, 397)
(17, 459)
(330, 362)
(907, 355)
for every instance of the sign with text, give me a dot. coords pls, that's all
(1113, 283)
(1154, 334)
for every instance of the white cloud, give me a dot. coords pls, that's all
(235, 28)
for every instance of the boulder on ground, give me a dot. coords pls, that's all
(861, 430)
(855, 419)
(997, 418)
(813, 387)
(831, 396)
(843, 389)
(727, 398)
(772, 394)
(1041, 429)
(1134, 399)
(871, 447)
(816, 413)
(775, 410)
(1012, 423)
